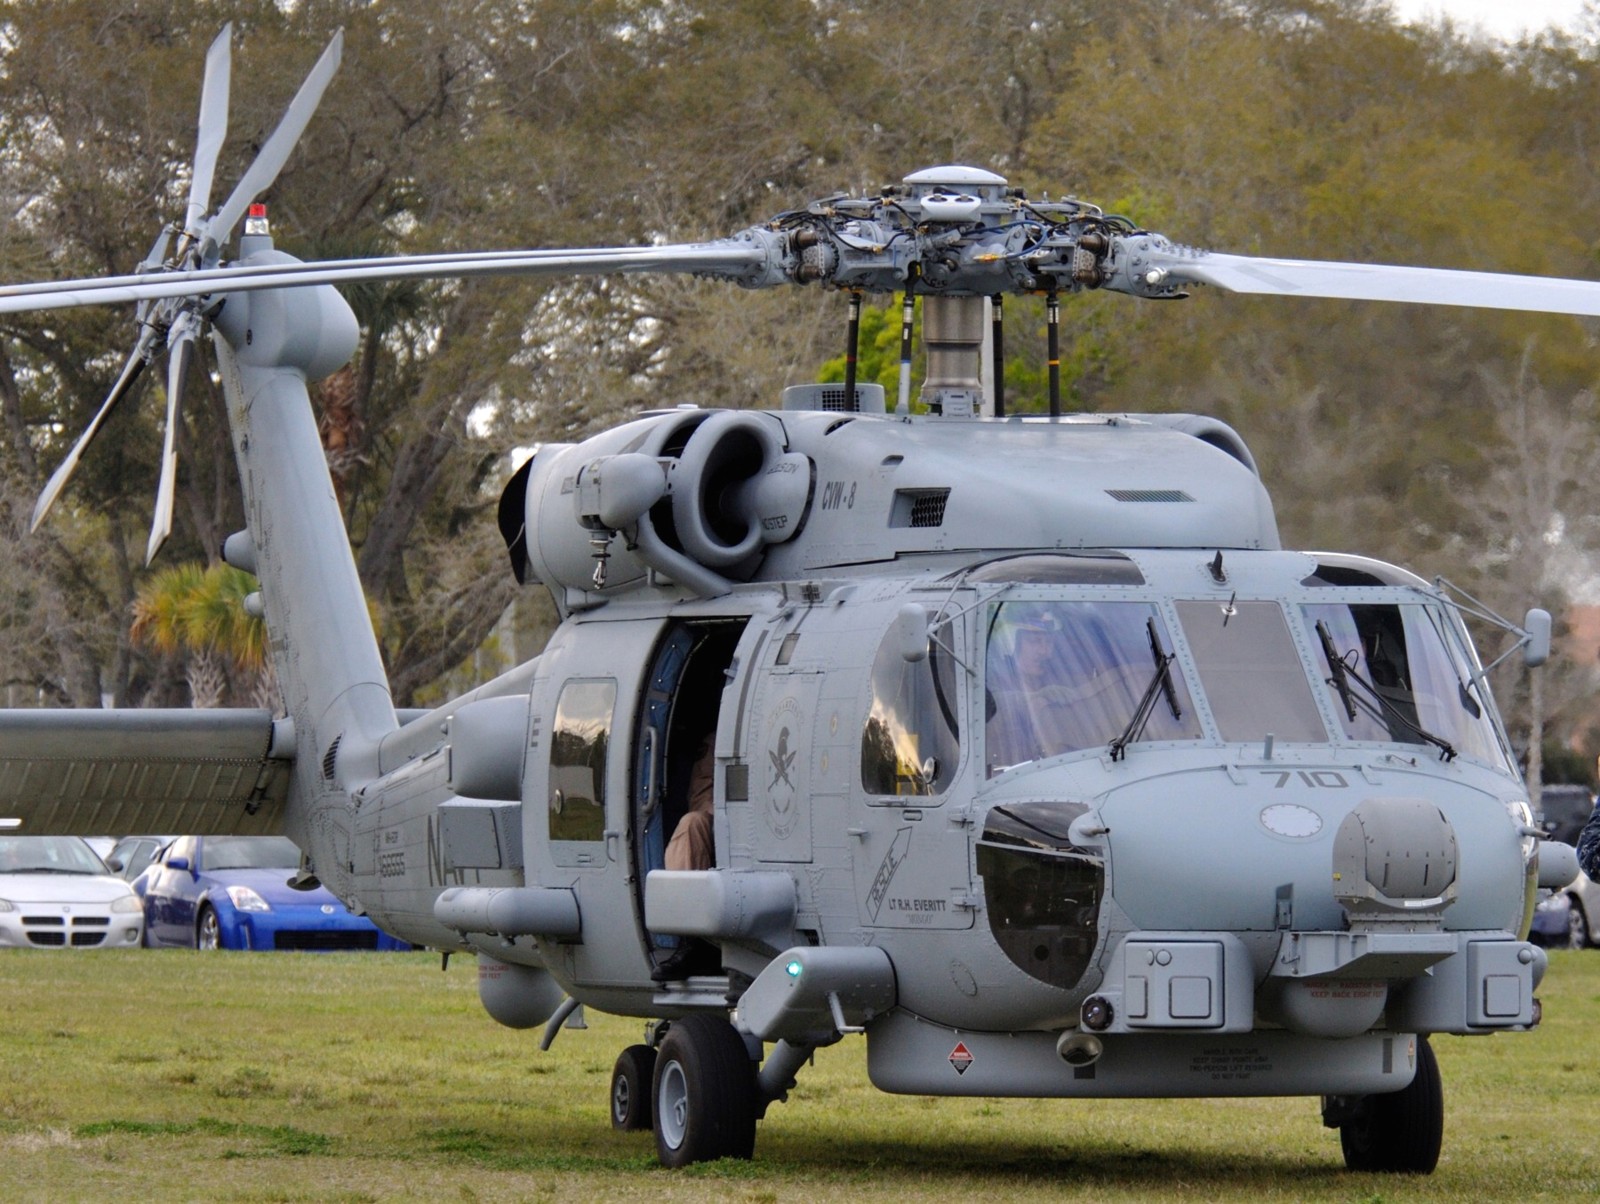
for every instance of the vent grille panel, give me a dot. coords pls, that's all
(1149, 495)
(330, 759)
(919, 507)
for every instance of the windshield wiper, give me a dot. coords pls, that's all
(1160, 681)
(1340, 680)
(1164, 667)
(1385, 710)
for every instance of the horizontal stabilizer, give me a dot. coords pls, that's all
(117, 772)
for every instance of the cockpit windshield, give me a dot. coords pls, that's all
(1063, 676)
(1397, 679)
(1254, 680)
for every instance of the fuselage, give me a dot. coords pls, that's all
(926, 807)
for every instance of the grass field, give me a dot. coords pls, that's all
(180, 1076)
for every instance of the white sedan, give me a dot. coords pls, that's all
(55, 892)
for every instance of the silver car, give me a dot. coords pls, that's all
(1583, 919)
(55, 892)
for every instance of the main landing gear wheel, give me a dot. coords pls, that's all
(705, 1093)
(632, 1080)
(1400, 1131)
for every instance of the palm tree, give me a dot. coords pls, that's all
(200, 612)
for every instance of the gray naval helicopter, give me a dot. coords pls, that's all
(1034, 758)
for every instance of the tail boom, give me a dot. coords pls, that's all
(326, 654)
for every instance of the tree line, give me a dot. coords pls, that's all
(1455, 442)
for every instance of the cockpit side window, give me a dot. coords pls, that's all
(1063, 676)
(910, 744)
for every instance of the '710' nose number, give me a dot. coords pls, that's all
(1327, 779)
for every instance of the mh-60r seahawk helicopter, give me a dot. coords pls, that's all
(1033, 757)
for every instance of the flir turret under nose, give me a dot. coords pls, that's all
(1394, 861)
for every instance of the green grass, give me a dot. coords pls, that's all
(176, 1076)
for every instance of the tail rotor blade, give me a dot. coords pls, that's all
(179, 353)
(63, 473)
(213, 126)
(275, 152)
(158, 250)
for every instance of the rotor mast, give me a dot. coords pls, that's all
(953, 327)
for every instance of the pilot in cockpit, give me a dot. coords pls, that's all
(1031, 716)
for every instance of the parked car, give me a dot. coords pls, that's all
(130, 855)
(1563, 810)
(1569, 919)
(232, 892)
(56, 893)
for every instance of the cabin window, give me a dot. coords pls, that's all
(911, 742)
(1397, 680)
(1254, 680)
(578, 743)
(1064, 676)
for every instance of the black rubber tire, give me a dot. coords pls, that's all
(207, 930)
(632, 1081)
(1577, 924)
(704, 1093)
(1400, 1132)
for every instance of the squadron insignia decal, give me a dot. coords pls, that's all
(780, 811)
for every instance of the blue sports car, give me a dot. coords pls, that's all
(232, 892)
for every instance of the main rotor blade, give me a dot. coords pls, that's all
(58, 479)
(405, 263)
(277, 148)
(213, 126)
(727, 258)
(1382, 282)
(180, 350)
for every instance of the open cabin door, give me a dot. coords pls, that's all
(628, 704)
(677, 727)
(578, 790)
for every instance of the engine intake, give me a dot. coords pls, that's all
(691, 495)
(735, 489)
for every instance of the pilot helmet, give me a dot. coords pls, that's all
(1035, 619)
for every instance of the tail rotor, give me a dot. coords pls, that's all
(179, 321)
